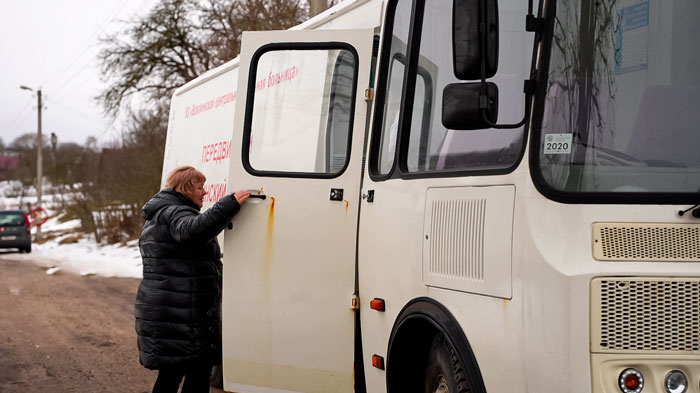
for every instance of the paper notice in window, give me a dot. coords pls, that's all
(557, 143)
(632, 37)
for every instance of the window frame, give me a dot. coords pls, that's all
(385, 61)
(428, 103)
(399, 169)
(572, 197)
(250, 100)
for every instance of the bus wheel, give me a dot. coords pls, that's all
(444, 372)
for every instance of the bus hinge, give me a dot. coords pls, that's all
(369, 94)
(534, 24)
(355, 302)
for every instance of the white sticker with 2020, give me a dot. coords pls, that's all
(557, 143)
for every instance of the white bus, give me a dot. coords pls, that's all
(459, 197)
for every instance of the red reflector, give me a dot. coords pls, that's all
(631, 381)
(377, 304)
(378, 362)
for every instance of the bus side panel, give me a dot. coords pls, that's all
(200, 130)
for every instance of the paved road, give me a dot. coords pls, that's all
(67, 333)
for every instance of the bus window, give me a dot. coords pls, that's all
(622, 98)
(391, 117)
(339, 112)
(432, 147)
(384, 151)
(302, 105)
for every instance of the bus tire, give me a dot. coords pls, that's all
(426, 342)
(444, 372)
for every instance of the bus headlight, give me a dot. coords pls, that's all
(631, 381)
(676, 382)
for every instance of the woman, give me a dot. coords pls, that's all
(178, 302)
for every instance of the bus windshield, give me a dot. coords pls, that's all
(622, 106)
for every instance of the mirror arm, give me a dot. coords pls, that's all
(484, 117)
(532, 24)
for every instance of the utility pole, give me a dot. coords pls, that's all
(54, 141)
(39, 157)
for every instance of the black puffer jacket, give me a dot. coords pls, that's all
(177, 305)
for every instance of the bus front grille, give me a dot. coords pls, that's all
(643, 314)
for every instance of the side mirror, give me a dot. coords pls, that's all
(461, 106)
(467, 44)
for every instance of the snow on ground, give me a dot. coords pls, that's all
(84, 257)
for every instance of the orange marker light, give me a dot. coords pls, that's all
(378, 362)
(377, 304)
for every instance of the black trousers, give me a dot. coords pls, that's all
(196, 380)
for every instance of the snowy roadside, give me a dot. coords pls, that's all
(85, 258)
(80, 255)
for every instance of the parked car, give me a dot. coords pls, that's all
(14, 230)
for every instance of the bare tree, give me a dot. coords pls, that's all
(227, 20)
(25, 172)
(179, 40)
(173, 43)
(161, 51)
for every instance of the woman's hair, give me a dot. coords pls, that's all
(183, 179)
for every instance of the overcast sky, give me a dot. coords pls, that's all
(52, 45)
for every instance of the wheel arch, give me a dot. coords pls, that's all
(417, 324)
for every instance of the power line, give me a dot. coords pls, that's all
(81, 50)
(21, 113)
(14, 124)
(101, 135)
(67, 82)
(23, 127)
(74, 111)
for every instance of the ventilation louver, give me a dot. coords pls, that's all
(646, 242)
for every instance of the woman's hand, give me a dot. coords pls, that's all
(241, 196)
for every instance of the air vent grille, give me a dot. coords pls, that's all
(646, 242)
(651, 315)
(457, 238)
(468, 239)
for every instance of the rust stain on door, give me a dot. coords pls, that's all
(270, 230)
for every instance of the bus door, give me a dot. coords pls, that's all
(445, 195)
(289, 259)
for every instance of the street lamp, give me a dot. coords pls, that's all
(39, 163)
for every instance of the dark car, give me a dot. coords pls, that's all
(14, 230)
